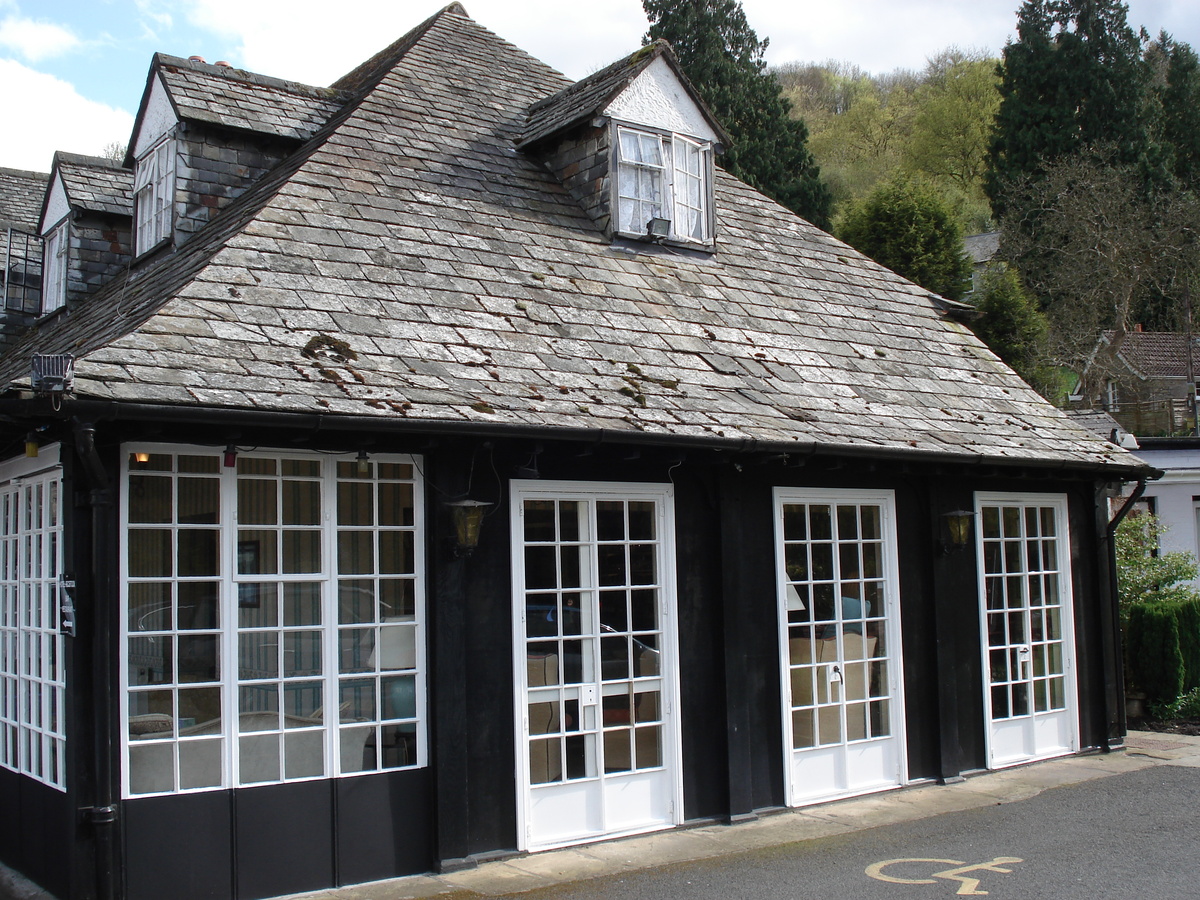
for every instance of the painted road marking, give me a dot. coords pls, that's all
(968, 886)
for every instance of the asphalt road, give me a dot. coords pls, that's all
(1135, 835)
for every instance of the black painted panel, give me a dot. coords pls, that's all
(10, 822)
(35, 831)
(385, 826)
(284, 839)
(178, 847)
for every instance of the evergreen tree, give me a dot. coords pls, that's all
(1013, 326)
(905, 225)
(1073, 79)
(723, 58)
(1180, 111)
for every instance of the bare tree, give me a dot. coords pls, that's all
(1096, 244)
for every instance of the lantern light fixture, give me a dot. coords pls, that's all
(468, 522)
(958, 523)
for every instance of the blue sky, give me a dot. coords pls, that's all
(72, 71)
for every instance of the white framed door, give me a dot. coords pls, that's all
(839, 625)
(597, 675)
(1026, 627)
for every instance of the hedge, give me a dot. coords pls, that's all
(1163, 648)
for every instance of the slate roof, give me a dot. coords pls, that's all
(95, 184)
(235, 98)
(579, 102)
(407, 262)
(982, 247)
(1157, 354)
(21, 194)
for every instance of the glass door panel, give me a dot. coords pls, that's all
(1025, 609)
(837, 612)
(590, 599)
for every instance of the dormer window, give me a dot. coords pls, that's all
(663, 177)
(54, 268)
(154, 194)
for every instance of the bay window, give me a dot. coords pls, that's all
(32, 662)
(273, 618)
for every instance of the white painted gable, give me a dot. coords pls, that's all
(657, 99)
(57, 207)
(158, 119)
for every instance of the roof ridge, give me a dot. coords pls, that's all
(362, 77)
(635, 61)
(236, 74)
(81, 159)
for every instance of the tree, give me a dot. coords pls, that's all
(1073, 79)
(1180, 111)
(1097, 244)
(1012, 325)
(951, 132)
(904, 224)
(723, 58)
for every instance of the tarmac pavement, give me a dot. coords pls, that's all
(520, 873)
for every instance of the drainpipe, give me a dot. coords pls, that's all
(1115, 741)
(103, 815)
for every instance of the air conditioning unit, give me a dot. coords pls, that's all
(52, 373)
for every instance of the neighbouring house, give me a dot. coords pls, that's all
(461, 463)
(1151, 382)
(1175, 497)
(981, 248)
(21, 195)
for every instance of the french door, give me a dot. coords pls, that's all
(839, 613)
(1025, 613)
(594, 632)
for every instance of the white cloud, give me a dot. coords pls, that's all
(48, 114)
(36, 41)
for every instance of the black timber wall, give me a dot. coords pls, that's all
(286, 838)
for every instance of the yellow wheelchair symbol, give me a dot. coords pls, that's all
(961, 872)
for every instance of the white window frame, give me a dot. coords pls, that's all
(228, 631)
(154, 194)
(685, 168)
(54, 266)
(32, 649)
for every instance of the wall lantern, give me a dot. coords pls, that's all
(230, 459)
(468, 521)
(958, 523)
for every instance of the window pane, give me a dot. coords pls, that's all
(149, 498)
(301, 503)
(199, 499)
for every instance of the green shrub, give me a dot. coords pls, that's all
(1188, 614)
(1152, 644)
(1186, 706)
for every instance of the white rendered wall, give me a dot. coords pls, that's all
(1173, 495)
(158, 119)
(657, 99)
(57, 207)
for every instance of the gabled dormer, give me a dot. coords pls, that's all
(86, 227)
(204, 134)
(634, 144)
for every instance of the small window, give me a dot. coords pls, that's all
(54, 293)
(663, 177)
(154, 194)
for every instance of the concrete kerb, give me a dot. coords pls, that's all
(528, 872)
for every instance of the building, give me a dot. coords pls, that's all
(464, 464)
(1149, 388)
(21, 195)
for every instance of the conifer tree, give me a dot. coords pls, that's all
(1072, 80)
(905, 225)
(723, 58)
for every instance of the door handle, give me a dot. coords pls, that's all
(1023, 654)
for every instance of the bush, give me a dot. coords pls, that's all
(1152, 649)
(1186, 706)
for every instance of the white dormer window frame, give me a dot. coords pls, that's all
(54, 266)
(663, 175)
(154, 194)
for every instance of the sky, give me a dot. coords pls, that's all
(72, 72)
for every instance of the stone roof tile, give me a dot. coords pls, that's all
(783, 335)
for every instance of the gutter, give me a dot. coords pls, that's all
(113, 411)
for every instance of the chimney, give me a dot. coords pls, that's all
(198, 59)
